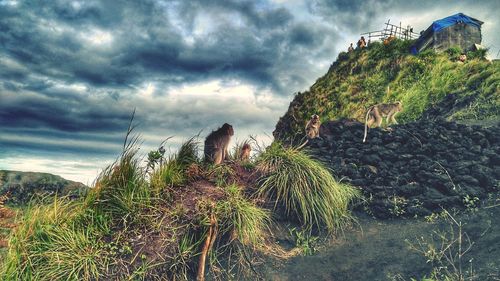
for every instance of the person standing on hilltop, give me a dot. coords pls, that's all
(361, 42)
(350, 49)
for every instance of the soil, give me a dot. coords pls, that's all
(378, 250)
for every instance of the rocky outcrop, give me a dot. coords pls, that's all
(416, 168)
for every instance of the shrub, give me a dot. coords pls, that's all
(477, 54)
(304, 187)
(454, 52)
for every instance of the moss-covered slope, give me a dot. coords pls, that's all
(386, 73)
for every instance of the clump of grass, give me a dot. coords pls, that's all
(222, 174)
(188, 153)
(304, 187)
(121, 190)
(50, 244)
(242, 218)
(181, 261)
(168, 174)
(177, 169)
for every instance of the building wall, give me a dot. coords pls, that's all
(461, 35)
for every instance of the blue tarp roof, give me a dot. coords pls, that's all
(451, 20)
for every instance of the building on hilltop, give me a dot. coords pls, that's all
(456, 30)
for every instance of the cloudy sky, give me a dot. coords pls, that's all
(72, 72)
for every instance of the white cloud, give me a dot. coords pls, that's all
(82, 169)
(97, 37)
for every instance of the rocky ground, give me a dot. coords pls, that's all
(415, 169)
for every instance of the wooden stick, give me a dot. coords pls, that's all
(209, 241)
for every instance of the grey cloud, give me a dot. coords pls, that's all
(28, 111)
(46, 48)
(147, 46)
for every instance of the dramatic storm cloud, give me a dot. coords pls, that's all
(72, 72)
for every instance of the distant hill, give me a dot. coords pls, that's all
(23, 186)
(429, 84)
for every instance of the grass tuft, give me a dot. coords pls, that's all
(121, 190)
(50, 244)
(188, 153)
(304, 187)
(242, 218)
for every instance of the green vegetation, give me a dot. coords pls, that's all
(448, 252)
(304, 240)
(52, 242)
(242, 218)
(304, 187)
(388, 73)
(22, 187)
(140, 222)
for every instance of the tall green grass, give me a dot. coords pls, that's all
(121, 190)
(304, 187)
(172, 171)
(52, 243)
(65, 240)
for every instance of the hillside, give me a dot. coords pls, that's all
(185, 218)
(430, 84)
(23, 186)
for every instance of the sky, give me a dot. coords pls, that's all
(72, 72)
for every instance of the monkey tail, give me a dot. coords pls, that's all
(366, 122)
(302, 145)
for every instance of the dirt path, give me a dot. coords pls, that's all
(378, 251)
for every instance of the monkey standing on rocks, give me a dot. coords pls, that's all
(376, 112)
(312, 129)
(217, 143)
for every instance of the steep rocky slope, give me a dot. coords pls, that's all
(414, 169)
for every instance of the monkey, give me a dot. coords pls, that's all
(245, 152)
(376, 112)
(389, 39)
(216, 144)
(312, 129)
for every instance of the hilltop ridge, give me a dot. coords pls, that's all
(23, 186)
(429, 84)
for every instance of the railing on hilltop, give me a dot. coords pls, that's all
(391, 30)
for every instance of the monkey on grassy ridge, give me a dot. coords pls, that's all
(217, 143)
(245, 152)
(376, 112)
